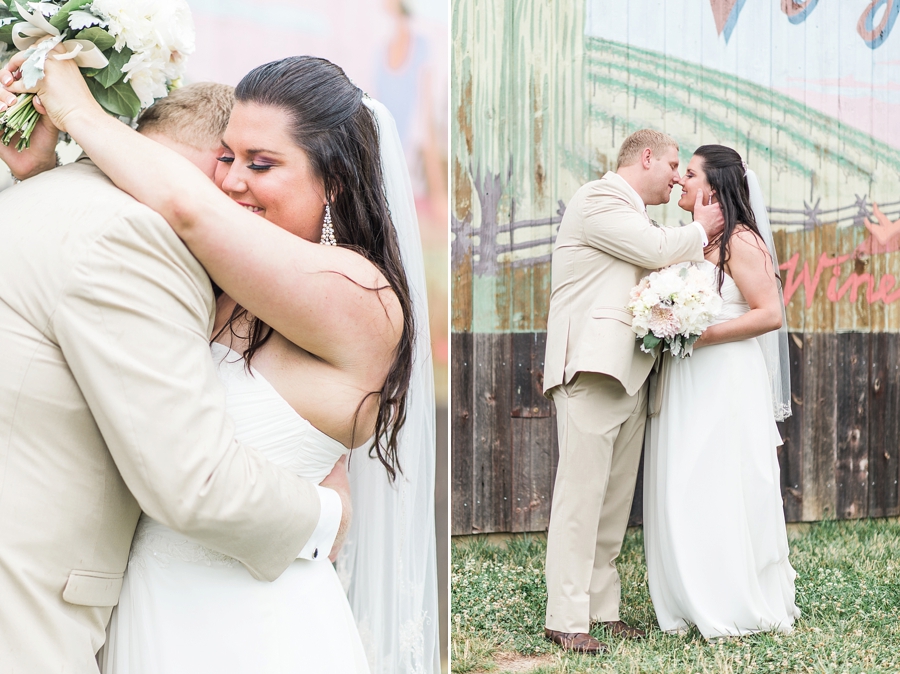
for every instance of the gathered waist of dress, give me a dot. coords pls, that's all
(730, 312)
(165, 545)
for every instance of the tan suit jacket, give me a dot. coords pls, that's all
(109, 404)
(605, 245)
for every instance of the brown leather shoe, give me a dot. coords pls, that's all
(620, 629)
(576, 641)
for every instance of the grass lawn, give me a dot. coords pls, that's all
(848, 589)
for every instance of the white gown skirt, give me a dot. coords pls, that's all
(187, 610)
(714, 531)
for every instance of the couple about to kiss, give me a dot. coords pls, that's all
(714, 533)
(198, 322)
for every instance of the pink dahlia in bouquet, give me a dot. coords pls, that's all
(130, 52)
(672, 307)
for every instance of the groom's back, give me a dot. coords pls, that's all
(66, 515)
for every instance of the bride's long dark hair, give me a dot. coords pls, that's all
(339, 135)
(725, 174)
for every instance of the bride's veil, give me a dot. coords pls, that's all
(774, 344)
(388, 563)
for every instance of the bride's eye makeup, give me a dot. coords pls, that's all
(259, 167)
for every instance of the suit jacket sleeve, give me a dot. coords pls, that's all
(132, 323)
(612, 224)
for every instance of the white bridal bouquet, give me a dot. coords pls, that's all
(130, 52)
(672, 307)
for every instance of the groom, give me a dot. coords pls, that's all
(595, 374)
(109, 402)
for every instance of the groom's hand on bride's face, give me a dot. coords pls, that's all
(708, 214)
(338, 480)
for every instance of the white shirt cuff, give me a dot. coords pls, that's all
(320, 543)
(702, 233)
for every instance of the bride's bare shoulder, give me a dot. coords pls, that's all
(747, 240)
(746, 249)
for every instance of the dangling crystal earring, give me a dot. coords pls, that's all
(327, 230)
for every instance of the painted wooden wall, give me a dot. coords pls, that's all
(542, 94)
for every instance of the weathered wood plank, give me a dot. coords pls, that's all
(790, 454)
(528, 375)
(493, 432)
(534, 468)
(461, 433)
(818, 429)
(852, 467)
(884, 425)
(523, 446)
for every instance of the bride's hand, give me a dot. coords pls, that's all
(62, 91)
(40, 155)
(338, 480)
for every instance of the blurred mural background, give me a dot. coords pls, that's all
(542, 95)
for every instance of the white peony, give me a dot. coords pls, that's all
(161, 35)
(147, 77)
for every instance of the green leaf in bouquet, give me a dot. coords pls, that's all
(119, 99)
(98, 36)
(651, 341)
(60, 20)
(6, 34)
(112, 73)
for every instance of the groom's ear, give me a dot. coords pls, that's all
(646, 156)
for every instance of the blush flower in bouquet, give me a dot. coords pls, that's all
(130, 52)
(672, 307)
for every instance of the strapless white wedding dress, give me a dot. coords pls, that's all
(714, 532)
(185, 609)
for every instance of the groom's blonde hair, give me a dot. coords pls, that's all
(194, 115)
(639, 141)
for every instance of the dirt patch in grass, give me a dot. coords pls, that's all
(518, 663)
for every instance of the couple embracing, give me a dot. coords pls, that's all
(714, 531)
(127, 385)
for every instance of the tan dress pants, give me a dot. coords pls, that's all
(601, 429)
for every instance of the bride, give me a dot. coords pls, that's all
(321, 343)
(714, 532)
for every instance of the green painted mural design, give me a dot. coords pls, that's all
(540, 108)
